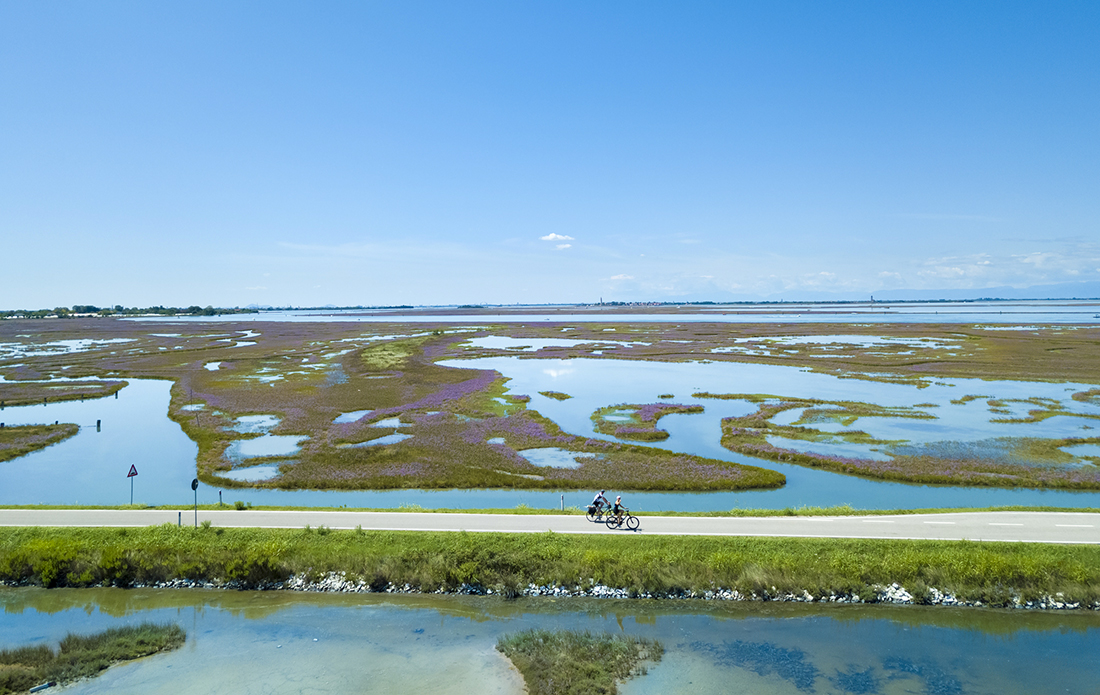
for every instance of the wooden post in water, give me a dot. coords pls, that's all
(97, 423)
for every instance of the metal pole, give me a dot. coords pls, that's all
(131, 490)
(179, 519)
(196, 507)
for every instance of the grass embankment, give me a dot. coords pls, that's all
(18, 441)
(990, 572)
(83, 656)
(568, 662)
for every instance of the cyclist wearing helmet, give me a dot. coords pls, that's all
(618, 509)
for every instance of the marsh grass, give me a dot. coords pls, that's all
(323, 370)
(430, 561)
(556, 395)
(995, 462)
(21, 440)
(16, 393)
(642, 420)
(569, 662)
(83, 656)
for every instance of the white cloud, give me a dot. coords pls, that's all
(622, 276)
(556, 237)
(564, 246)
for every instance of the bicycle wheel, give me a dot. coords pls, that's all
(591, 516)
(632, 523)
(612, 522)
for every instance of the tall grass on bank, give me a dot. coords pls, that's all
(993, 573)
(83, 656)
(569, 662)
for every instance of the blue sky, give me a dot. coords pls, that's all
(232, 153)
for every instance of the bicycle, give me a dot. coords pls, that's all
(596, 512)
(625, 517)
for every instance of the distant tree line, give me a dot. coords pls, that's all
(76, 310)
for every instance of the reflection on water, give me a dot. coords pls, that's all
(283, 642)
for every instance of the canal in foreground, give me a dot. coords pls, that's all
(286, 642)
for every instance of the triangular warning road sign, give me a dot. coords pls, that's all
(133, 471)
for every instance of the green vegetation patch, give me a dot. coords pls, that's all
(556, 395)
(83, 656)
(17, 441)
(18, 393)
(637, 422)
(1090, 396)
(991, 572)
(570, 662)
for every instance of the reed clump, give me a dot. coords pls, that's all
(83, 656)
(571, 662)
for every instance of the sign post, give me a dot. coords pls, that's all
(131, 475)
(195, 487)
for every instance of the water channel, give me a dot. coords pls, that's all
(284, 642)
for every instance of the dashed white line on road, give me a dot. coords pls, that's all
(1074, 525)
(995, 524)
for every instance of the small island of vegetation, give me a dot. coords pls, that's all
(83, 656)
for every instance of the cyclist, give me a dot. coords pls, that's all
(600, 499)
(618, 509)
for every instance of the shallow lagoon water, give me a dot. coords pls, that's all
(251, 473)
(597, 383)
(267, 445)
(283, 642)
(554, 457)
(379, 441)
(352, 416)
(1082, 312)
(91, 467)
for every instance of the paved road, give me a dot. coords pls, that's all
(1032, 527)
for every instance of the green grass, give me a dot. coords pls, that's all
(989, 572)
(83, 656)
(568, 662)
(556, 395)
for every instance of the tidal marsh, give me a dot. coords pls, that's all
(309, 375)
